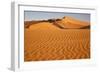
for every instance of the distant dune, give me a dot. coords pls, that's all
(64, 23)
(85, 27)
(56, 39)
(43, 25)
(68, 22)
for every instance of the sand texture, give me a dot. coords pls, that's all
(47, 41)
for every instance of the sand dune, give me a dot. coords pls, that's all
(43, 25)
(68, 22)
(45, 41)
(57, 45)
(65, 22)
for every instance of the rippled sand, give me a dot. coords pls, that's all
(48, 44)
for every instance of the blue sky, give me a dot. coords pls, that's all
(37, 15)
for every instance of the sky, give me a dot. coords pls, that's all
(40, 15)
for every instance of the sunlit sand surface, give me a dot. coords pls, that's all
(45, 41)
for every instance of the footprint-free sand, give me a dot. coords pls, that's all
(44, 41)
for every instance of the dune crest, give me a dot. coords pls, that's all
(64, 23)
(68, 22)
(43, 25)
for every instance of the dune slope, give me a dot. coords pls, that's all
(68, 22)
(47, 41)
(47, 44)
(43, 25)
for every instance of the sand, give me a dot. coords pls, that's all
(68, 22)
(57, 45)
(44, 41)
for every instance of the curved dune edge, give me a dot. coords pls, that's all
(65, 22)
(68, 22)
(43, 25)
